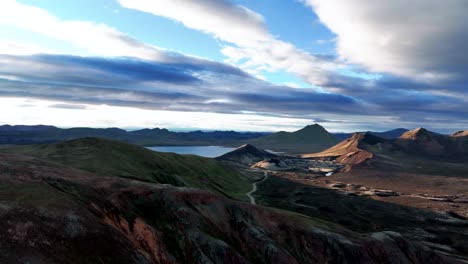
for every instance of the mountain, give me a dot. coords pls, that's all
(147, 132)
(352, 151)
(148, 137)
(420, 134)
(56, 214)
(426, 143)
(390, 134)
(409, 152)
(49, 134)
(26, 128)
(247, 155)
(461, 133)
(310, 138)
(113, 158)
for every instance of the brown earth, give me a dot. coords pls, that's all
(349, 152)
(342, 203)
(438, 193)
(461, 133)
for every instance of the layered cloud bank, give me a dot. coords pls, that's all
(415, 49)
(196, 85)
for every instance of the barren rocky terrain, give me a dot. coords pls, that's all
(86, 218)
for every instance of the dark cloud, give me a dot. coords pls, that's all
(186, 85)
(26, 105)
(191, 84)
(94, 95)
(73, 69)
(68, 106)
(321, 120)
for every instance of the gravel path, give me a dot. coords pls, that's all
(254, 188)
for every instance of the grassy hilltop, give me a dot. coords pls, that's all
(108, 157)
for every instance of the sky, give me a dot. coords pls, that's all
(247, 65)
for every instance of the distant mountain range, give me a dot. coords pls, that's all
(148, 137)
(390, 134)
(310, 139)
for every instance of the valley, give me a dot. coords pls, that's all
(362, 200)
(368, 172)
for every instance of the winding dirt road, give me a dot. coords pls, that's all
(254, 188)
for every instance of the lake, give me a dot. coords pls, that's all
(204, 151)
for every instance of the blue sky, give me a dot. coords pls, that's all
(248, 65)
(307, 33)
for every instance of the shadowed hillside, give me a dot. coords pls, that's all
(107, 157)
(390, 134)
(308, 139)
(422, 142)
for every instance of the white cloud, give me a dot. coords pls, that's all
(16, 48)
(41, 111)
(95, 39)
(422, 39)
(247, 41)
(227, 22)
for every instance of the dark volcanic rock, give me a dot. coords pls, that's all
(247, 154)
(385, 193)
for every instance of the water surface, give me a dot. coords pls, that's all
(204, 151)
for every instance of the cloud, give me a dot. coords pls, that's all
(226, 21)
(204, 86)
(16, 48)
(134, 118)
(245, 39)
(93, 38)
(420, 39)
(68, 106)
(403, 97)
(195, 85)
